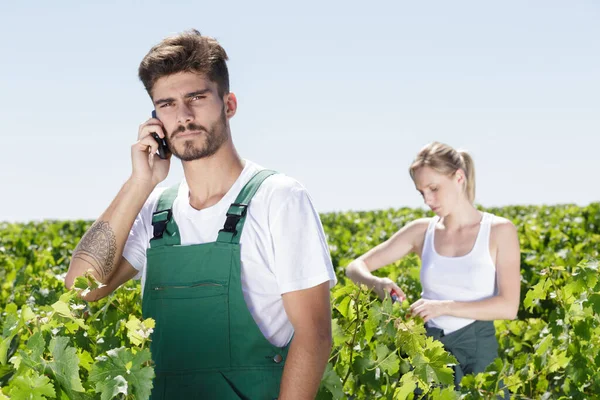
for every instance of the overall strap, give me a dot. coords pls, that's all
(164, 228)
(236, 215)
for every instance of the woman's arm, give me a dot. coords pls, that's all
(406, 240)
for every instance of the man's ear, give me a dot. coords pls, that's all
(230, 101)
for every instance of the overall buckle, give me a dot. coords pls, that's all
(159, 222)
(234, 217)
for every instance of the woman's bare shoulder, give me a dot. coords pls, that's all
(416, 230)
(420, 224)
(502, 227)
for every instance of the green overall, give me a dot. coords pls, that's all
(206, 345)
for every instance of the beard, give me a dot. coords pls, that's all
(215, 136)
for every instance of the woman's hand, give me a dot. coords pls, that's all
(428, 309)
(386, 285)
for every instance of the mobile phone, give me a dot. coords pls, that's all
(163, 148)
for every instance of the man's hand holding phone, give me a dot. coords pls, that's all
(147, 166)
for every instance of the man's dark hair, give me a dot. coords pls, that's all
(186, 52)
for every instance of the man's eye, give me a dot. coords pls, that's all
(166, 105)
(198, 97)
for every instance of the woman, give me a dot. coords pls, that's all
(470, 260)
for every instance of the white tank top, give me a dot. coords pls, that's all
(470, 277)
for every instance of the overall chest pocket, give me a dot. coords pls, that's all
(192, 326)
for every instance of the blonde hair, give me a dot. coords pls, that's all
(446, 160)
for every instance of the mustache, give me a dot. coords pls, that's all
(190, 127)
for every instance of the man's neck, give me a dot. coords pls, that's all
(209, 179)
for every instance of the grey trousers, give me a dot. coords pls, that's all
(474, 346)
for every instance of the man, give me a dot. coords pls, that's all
(234, 263)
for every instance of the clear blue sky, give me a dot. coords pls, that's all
(340, 95)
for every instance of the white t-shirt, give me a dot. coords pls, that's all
(283, 246)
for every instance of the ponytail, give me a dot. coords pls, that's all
(469, 168)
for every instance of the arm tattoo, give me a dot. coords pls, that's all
(98, 248)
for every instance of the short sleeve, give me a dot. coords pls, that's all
(301, 253)
(139, 237)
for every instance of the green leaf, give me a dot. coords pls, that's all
(338, 334)
(387, 360)
(362, 363)
(85, 359)
(372, 323)
(85, 284)
(36, 345)
(137, 331)
(536, 293)
(387, 306)
(583, 329)
(33, 356)
(332, 382)
(62, 308)
(434, 349)
(4, 345)
(34, 387)
(514, 382)
(590, 276)
(410, 337)
(27, 314)
(343, 291)
(594, 300)
(444, 394)
(575, 287)
(12, 324)
(543, 345)
(558, 360)
(432, 365)
(391, 364)
(65, 364)
(406, 387)
(381, 352)
(11, 309)
(110, 388)
(139, 377)
(346, 308)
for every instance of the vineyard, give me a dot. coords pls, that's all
(55, 346)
